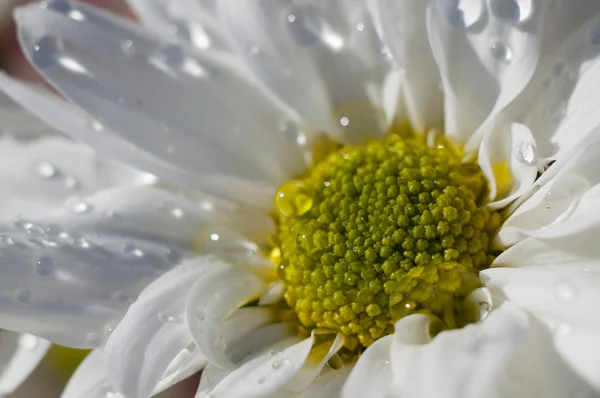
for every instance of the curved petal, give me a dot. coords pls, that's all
(207, 307)
(265, 374)
(36, 176)
(16, 121)
(154, 331)
(323, 59)
(405, 31)
(19, 356)
(71, 275)
(90, 380)
(208, 120)
(507, 355)
(188, 20)
(565, 300)
(558, 197)
(486, 56)
(329, 384)
(372, 375)
(510, 165)
(559, 104)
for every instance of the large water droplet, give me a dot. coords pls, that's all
(293, 198)
(526, 153)
(44, 266)
(515, 11)
(501, 51)
(305, 25)
(46, 52)
(46, 170)
(462, 13)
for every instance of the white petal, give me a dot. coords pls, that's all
(90, 380)
(36, 176)
(485, 55)
(19, 356)
(518, 155)
(372, 375)
(265, 374)
(154, 331)
(189, 20)
(71, 275)
(565, 300)
(506, 355)
(405, 31)
(323, 59)
(560, 103)
(558, 198)
(18, 122)
(211, 300)
(207, 120)
(328, 385)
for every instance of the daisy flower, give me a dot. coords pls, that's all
(347, 198)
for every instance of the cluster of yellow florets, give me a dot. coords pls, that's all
(375, 232)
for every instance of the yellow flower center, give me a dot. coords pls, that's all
(376, 232)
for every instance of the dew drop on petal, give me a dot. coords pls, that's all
(526, 153)
(279, 363)
(46, 170)
(344, 121)
(501, 51)
(514, 11)
(71, 182)
(46, 52)
(44, 266)
(95, 125)
(176, 212)
(81, 207)
(23, 295)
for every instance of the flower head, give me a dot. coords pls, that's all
(398, 197)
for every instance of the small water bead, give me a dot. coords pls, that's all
(526, 153)
(96, 125)
(514, 11)
(6, 240)
(568, 187)
(462, 13)
(23, 295)
(279, 363)
(344, 121)
(564, 292)
(22, 224)
(44, 266)
(130, 248)
(305, 25)
(501, 51)
(176, 212)
(71, 182)
(81, 207)
(127, 46)
(360, 26)
(46, 170)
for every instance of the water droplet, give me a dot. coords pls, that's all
(305, 25)
(214, 237)
(93, 340)
(46, 170)
(44, 266)
(81, 207)
(23, 224)
(568, 187)
(515, 11)
(96, 125)
(174, 256)
(173, 55)
(293, 198)
(46, 52)
(127, 46)
(71, 182)
(525, 153)
(6, 240)
(23, 295)
(501, 51)
(360, 26)
(200, 315)
(168, 318)
(386, 362)
(129, 248)
(278, 363)
(344, 121)
(564, 292)
(29, 341)
(462, 13)
(595, 35)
